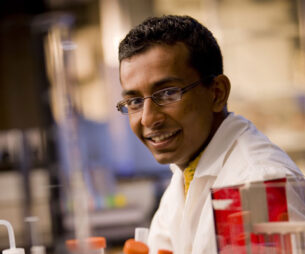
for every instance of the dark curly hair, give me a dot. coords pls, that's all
(204, 51)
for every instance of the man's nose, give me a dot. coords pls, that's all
(152, 115)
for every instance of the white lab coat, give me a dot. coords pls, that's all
(238, 153)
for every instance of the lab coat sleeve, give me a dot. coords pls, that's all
(159, 233)
(159, 237)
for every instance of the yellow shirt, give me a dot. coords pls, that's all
(189, 172)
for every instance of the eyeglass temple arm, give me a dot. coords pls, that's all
(185, 89)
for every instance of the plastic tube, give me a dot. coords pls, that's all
(11, 236)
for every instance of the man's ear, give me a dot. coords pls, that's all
(221, 90)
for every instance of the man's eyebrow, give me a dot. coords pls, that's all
(128, 92)
(165, 81)
(154, 86)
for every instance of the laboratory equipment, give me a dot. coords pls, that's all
(11, 236)
(36, 248)
(260, 217)
(290, 234)
(60, 52)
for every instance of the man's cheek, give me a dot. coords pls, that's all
(135, 127)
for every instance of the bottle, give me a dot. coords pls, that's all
(36, 247)
(96, 245)
(135, 247)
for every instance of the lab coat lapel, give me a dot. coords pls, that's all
(214, 155)
(177, 217)
(197, 205)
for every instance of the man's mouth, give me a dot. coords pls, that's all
(160, 137)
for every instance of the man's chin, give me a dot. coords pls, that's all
(164, 159)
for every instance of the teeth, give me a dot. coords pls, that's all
(162, 137)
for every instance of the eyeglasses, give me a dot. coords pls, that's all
(162, 97)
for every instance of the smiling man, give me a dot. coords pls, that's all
(175, 95)
(165, 130)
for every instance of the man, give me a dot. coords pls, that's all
(175, 94)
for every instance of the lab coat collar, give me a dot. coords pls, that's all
(213, 156)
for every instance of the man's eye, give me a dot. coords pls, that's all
(168, 92)
(134, 102)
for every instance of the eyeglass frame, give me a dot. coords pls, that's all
(182, 91)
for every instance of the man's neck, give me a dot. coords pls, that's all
(218, 119)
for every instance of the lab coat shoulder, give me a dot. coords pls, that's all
(251, 156)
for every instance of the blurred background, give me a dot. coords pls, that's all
(69, 163)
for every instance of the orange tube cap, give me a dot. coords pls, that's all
(94, 243)
(134, 247)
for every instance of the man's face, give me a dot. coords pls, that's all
(174, 133)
